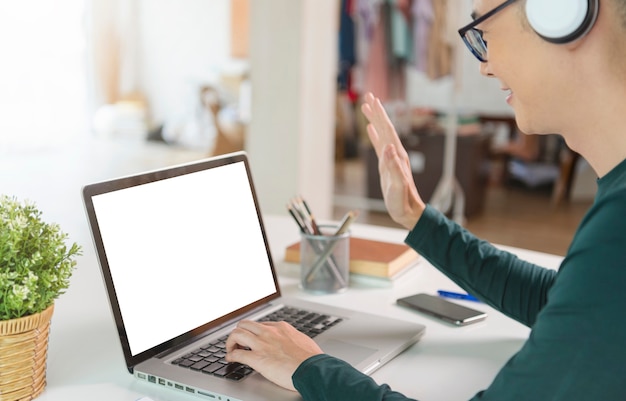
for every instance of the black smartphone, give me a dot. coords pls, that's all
(442, 309)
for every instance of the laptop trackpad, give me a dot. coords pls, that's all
(348, 352)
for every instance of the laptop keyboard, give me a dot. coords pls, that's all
(209, 358)
(310, 323)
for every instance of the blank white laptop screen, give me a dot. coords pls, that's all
(176, 249)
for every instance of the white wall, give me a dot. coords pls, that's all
(293, 70)
(182, 44)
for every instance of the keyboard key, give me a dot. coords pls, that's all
(228, 369)
(199, 365)
(186, 363)
(213, 367)
(235, 376)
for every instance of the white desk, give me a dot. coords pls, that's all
(449, 363)
(85, 361)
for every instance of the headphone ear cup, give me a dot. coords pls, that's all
(561, 21)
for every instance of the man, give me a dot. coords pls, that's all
(566, 80)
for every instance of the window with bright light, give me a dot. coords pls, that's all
(43, 89)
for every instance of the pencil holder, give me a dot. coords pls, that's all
(325, 261)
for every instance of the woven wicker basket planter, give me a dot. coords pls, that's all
(23, 355)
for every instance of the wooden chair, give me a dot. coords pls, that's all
(563, 187)
(568, 160)
(225, 141)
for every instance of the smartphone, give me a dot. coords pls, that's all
(442, 309)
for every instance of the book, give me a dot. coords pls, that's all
(369, 257)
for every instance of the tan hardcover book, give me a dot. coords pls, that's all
(369, 257)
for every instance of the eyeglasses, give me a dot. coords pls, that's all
(473, 38)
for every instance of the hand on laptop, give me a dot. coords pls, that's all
(396, 178)
(274, 349)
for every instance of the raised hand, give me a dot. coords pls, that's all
(396, 179)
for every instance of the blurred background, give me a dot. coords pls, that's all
(91, 89)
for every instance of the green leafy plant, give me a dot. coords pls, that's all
(35, 263)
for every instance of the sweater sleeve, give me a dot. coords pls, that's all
(515, 287)
(325, 378)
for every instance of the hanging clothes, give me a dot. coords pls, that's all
(347, 53)
(365, 19)
(423, 15)
(389, 36)
(439, 47)
(389, 51)
(399, 50)
(376, 68)
(401, 38)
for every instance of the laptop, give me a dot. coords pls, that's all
(184, 256)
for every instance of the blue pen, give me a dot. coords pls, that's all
(456, 295)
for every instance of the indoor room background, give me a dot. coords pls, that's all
(99, 88)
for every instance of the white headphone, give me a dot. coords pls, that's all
(562, 21)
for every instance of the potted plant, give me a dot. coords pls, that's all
(35, 268)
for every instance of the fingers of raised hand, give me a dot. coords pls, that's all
(380, 128)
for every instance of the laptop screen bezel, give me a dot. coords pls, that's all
(91, 190)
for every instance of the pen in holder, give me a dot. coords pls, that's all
(325, 260)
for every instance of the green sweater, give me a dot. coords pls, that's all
(577, 346)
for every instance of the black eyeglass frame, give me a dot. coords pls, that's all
(472, 27)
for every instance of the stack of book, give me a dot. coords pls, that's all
(380, 259)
